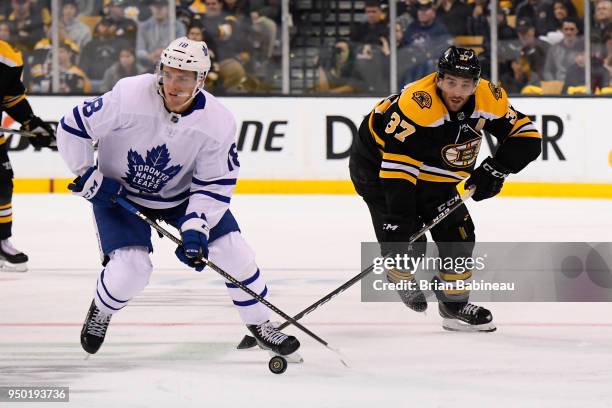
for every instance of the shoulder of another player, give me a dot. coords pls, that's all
(10, 56)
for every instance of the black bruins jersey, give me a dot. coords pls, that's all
(411, 142)
(12, 90)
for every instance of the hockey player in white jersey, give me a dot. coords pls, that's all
(169, 147)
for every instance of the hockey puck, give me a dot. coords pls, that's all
(277, 365)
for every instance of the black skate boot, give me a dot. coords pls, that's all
(12, 259)
(409, 293)
(94, 329)
(466, 317)
(270, 338)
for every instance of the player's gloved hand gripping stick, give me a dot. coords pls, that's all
(129, 207)
(448, 207)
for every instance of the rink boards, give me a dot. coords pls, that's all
(300, 146)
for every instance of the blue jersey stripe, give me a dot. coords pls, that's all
(79, 121)
(221, 182)
(252, 301)
(106, 290)
(73, 131)
(106, 304)
(245, 282)
(216, 196)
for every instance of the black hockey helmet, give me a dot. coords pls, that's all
(461, 62)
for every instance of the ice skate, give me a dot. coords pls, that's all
(409, 292)
(94, 329)
(11, 259)
(270, 338)
(466, 317)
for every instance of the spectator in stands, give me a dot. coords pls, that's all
(197, 8)
(427, 29)
(196, 32)
(73, 27)
(125, 67)
(185, 16)
(561, 9)
(406, 13)
(561, 56)
(519, 76)
(269, 8)
(373, 28)
(607, 53)
(263, 37)
(5, 32)
(602, 21)
(89, 7)
(575, 76)
(154, 34)
(424, 40)
(335, 71)
(527, 45)
(27, 25)
(238, 8)
(233, 48)
(454, 14)
(478, 23)
(72, 78)
(101, 52)
(125, 28)
(527, 9)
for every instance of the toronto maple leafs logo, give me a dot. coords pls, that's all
(150, 175)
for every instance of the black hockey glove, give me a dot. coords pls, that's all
(44, 135)
(488, 178)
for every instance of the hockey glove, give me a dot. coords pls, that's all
(44, 135)
(488, 178)
(96, 188)
(194, 233)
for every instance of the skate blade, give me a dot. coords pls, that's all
(294, 358)
(6, 266)
(459, 326)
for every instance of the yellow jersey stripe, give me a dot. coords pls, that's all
(6, 220)
(12, 101)
(9, 56)
(377, 138)
(402, 159)
(449, 277)
(455, 291)
(5, 206)
(534, 134)
(386, 174)
(520, 123)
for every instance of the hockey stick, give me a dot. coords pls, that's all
(53, 144)
(129, 207)
(445, 209)
(17, 132)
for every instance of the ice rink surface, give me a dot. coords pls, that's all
(174, 345)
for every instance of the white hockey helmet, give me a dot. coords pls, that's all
(188, 55)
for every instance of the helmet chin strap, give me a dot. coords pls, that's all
(196, 88)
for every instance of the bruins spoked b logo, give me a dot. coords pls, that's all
(461, 155)
(496, 91)
(422, 98)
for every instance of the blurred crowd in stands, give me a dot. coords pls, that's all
(540, 42)
(541, 47)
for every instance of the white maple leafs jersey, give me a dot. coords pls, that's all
(161, 158)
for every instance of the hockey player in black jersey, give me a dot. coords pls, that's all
(13, 101)
(414, 148)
